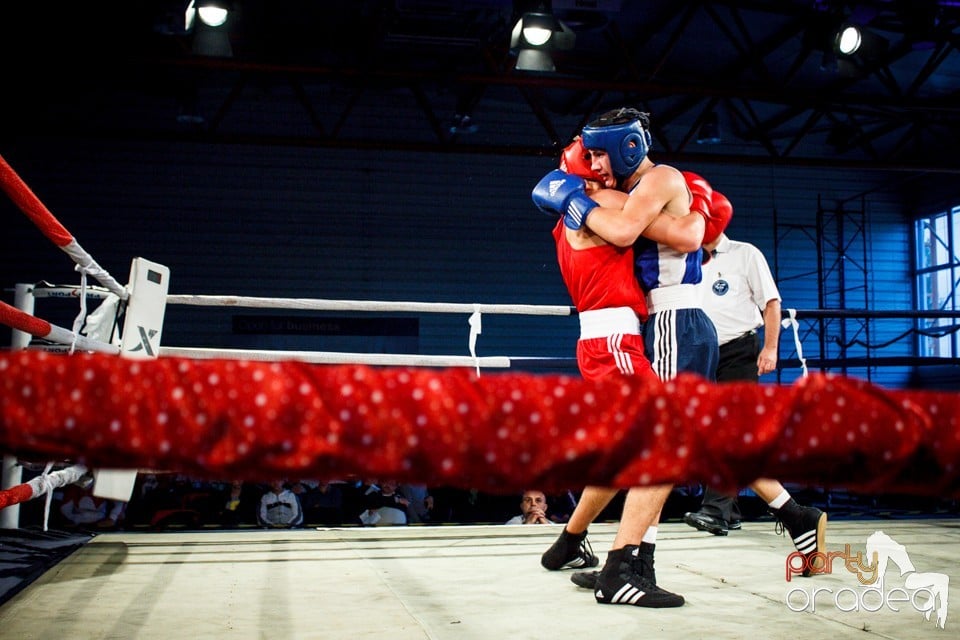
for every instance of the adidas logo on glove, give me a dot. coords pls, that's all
(554, 185)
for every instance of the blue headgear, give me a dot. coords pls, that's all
(626, 143)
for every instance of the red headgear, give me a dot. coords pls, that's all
(575, 161)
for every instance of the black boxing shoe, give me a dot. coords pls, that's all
(807, 527)
(585, 579)
(705, 522)
(642, 564)
(620, 583)
(569, 551)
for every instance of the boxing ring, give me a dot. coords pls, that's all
(473, 582)
(121, 400)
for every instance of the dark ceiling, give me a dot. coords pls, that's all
(392, 73)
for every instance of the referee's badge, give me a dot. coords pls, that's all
(721, 287)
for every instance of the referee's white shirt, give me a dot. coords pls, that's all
(736, 285)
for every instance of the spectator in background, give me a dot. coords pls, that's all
(143, 500)
(279, 508)
(232, 514)
(421, 502)
(561, 506)
(322, 501)
(384, 505)
(83, 510)
(533, 509)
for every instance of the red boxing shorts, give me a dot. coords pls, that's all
(618, 354)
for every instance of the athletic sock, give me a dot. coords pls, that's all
(780, 500)
(651, 535)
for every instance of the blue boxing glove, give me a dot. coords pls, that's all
(560, 193)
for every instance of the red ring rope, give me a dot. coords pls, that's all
(498, 432)
(17, 319)
(15, 495)
(31, 205)
(13, 317)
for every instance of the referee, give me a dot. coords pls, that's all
(739, 295)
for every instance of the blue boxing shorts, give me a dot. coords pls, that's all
(681, 341)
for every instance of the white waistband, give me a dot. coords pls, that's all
(600, 323)
(678, 296)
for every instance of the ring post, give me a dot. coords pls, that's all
(143, 319)
(12, 473)
(140, 338)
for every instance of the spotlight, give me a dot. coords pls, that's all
(212, 13)
(849, 40)
(855, 40)
(534, 36)
(210, 36)
(538, 28)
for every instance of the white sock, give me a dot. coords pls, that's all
(651, 535)
(780, 500)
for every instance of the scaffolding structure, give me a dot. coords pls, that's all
(838, 237)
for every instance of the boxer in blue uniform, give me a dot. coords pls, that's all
(678, 335)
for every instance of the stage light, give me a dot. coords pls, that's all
(534, 36)
(849, 40)
(212, 13)
(852, 40)
(210, 37)
(538, 28)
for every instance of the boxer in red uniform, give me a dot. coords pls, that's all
(602, 283)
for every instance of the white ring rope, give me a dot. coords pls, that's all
(82, 315)
(475, 310)
(475, 330)
(791, 323)
(318, 304)
(46, 290)
(28, 323)
(337, 357)
(77, 341)
(86, 265)
(74, 339)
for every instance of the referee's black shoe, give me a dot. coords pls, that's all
(705, 522)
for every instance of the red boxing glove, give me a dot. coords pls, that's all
(701, 191)
(575, 161)
(703, 201)
(721, 211)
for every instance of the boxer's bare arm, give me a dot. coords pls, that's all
(683, 234)
(609, 198)
(656, 193)
(673, 227)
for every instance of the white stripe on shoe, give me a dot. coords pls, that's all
(806, 542)
(628, 593)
